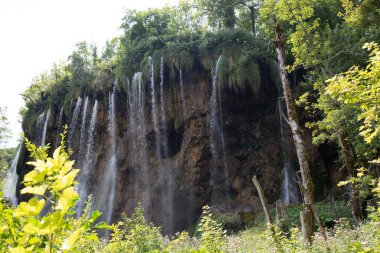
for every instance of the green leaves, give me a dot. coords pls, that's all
(361, 88)
(38, 190)
(67, 199)
(24, 229)
(32, 208)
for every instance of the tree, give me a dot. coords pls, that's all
(220, 13)
(361, 87)
(273, 12)
(315, 42)
(229, 13)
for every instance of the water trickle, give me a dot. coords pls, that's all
(40, 128)
(290, 191)
(84, 178)
(183, 102)
(164, 138)
(154, 110)
(43, 137)
(83, 132)
(167, 177)
(59, 131)
(107, 199)
(74, 124)
(217, 145)
(12, 179)
(138, 151)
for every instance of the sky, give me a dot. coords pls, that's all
(36, 33)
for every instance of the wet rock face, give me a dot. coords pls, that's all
(173, 179)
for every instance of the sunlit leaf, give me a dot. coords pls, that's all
(32, 208)
(67, 199)
(38, 190)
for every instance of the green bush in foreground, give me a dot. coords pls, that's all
(45, 223)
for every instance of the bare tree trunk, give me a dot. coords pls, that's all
(263, 200)
(349, 161)
(302, 153)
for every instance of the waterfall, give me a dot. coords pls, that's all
(164, 138)
(74, 124)
(109, 181)
(59, 126)
(138, 152)
(43, 137)
(42, 124)
(154, 110)
(166, 172)
(12, 178)
(183, 102)
(217, 143)
(40, 128)
(84, 178)
(290, 191)
(82, 143)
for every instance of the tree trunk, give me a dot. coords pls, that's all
(302, 153)
(252, 9)
(349, 161)
(229, 18)
(263, 200)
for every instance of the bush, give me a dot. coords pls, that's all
(51, 183)
(135, 235)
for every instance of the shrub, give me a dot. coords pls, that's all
(212, 234)
(135, 235)
(51, 183)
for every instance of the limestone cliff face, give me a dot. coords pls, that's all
(170, 167)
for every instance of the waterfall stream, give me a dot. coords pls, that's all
(167, 177)
(217, 143)
(154, 110)
(43, 138)
(59, 131)
(109, 181)
(12, 178)
(290, 191)
(183, 102)
(74, 124)
(42, 124)
(84, 179)
(138, 152)
(83, 132)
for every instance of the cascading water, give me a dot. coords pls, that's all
(290, 191)
(59, 126)
(167, 177)
(138, 151)
(82, 143)
(217, 144)
(40, 128)
(164, 138)
(43, 137)
(74, 124)
(107, 194)
(183, 102)
(154, 110)
(12, 178)
(84, 178)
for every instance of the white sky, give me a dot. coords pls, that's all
(36, 33)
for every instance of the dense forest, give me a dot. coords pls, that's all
(323, 56)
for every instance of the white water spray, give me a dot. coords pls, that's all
(12, 179)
